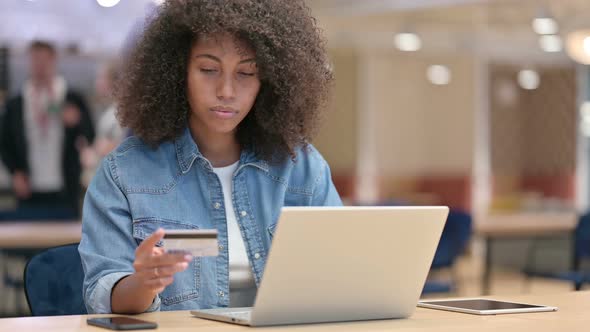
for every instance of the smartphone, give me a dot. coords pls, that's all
(121, 323)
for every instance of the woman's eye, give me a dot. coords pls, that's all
(208, 70)
(246, 74)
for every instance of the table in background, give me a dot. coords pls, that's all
(525, 225)
(37, 235)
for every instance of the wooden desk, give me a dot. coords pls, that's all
(520, 225)
(45, 234)
(572, 316)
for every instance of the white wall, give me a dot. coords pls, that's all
(337, 139)
(421, 128)
(389, 121)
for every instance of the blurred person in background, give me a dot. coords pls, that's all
(109, 132)
(43, 129)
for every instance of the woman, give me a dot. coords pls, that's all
(223, 98)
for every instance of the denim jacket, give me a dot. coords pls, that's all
(138, 189)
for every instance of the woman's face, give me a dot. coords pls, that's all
(223, 83)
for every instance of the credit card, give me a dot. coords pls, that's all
(198, 243)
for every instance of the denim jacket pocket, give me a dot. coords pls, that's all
(186, 283)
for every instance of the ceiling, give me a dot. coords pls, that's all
(83, 22)
(497, 27)
(494, 28)
(367, 7)
(497, 14)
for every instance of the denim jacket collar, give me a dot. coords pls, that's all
(187, 152)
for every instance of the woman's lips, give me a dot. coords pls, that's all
(224, 112)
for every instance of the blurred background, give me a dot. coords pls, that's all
(481, 105)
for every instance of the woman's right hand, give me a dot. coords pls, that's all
(154, 268)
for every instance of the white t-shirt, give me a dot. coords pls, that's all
(109, 126)
(45, 142)
(241, 279)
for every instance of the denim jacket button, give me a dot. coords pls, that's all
(221, 294)
(257, 255)
(244, 213)
(216, 205)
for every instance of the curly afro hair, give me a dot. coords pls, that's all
(290, 56)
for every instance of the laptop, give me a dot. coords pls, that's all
(334, 264)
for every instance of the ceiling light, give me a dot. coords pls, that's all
(107, 3)
(550, 43)
(578, 46)
(545, 26)
(528, 79)
(407, 42)
(587, 45)
(438, 75)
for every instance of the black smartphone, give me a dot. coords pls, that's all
(121, 323)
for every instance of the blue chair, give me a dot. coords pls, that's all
(581, 251)
(435, 286)
(454, 239)
(53, 282)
